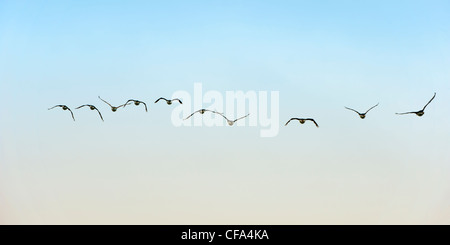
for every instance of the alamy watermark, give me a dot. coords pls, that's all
(262, 112)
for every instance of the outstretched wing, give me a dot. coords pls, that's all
(122, 105)
(56, 106)
(352, 110)
(221, 115)
(291, 120)
(372, 107)
(126, 103)
(216, 112)
(310, 119)
(71, 113)
(177, 100)
(105, 101)
(145, 106)
(161, 99)
(429, 101)
(191, 115)
(242, 117)
(411, 112)
(99, 113)
(81, 106)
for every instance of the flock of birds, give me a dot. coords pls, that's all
(230, 122)
(138, 102)
(115, 108)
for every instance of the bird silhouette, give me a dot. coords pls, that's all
(362, 115)
(92, 108)
(113, 108)
(64, 107)
(169, 102)
(421, 112)
(136, 102)
(202, 111)
(231, 122)
(302, 120)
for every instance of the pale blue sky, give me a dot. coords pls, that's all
(138, 168)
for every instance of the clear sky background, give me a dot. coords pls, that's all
(137, 168)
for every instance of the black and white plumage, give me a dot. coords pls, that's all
(421, 112)
(231, 122)
(92, 108)
(169, 102)
(202, 111)
(136, 102)
(113, 108)
(362, 115)
(302, 120)
(64, 107)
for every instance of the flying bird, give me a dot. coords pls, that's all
(64, 107)
(92, 108)
(136, 102)
(302, 120)
(421, 112)
(202, 111)
(231, 122)
(169, 102)
(362, 115)
(113, 108)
